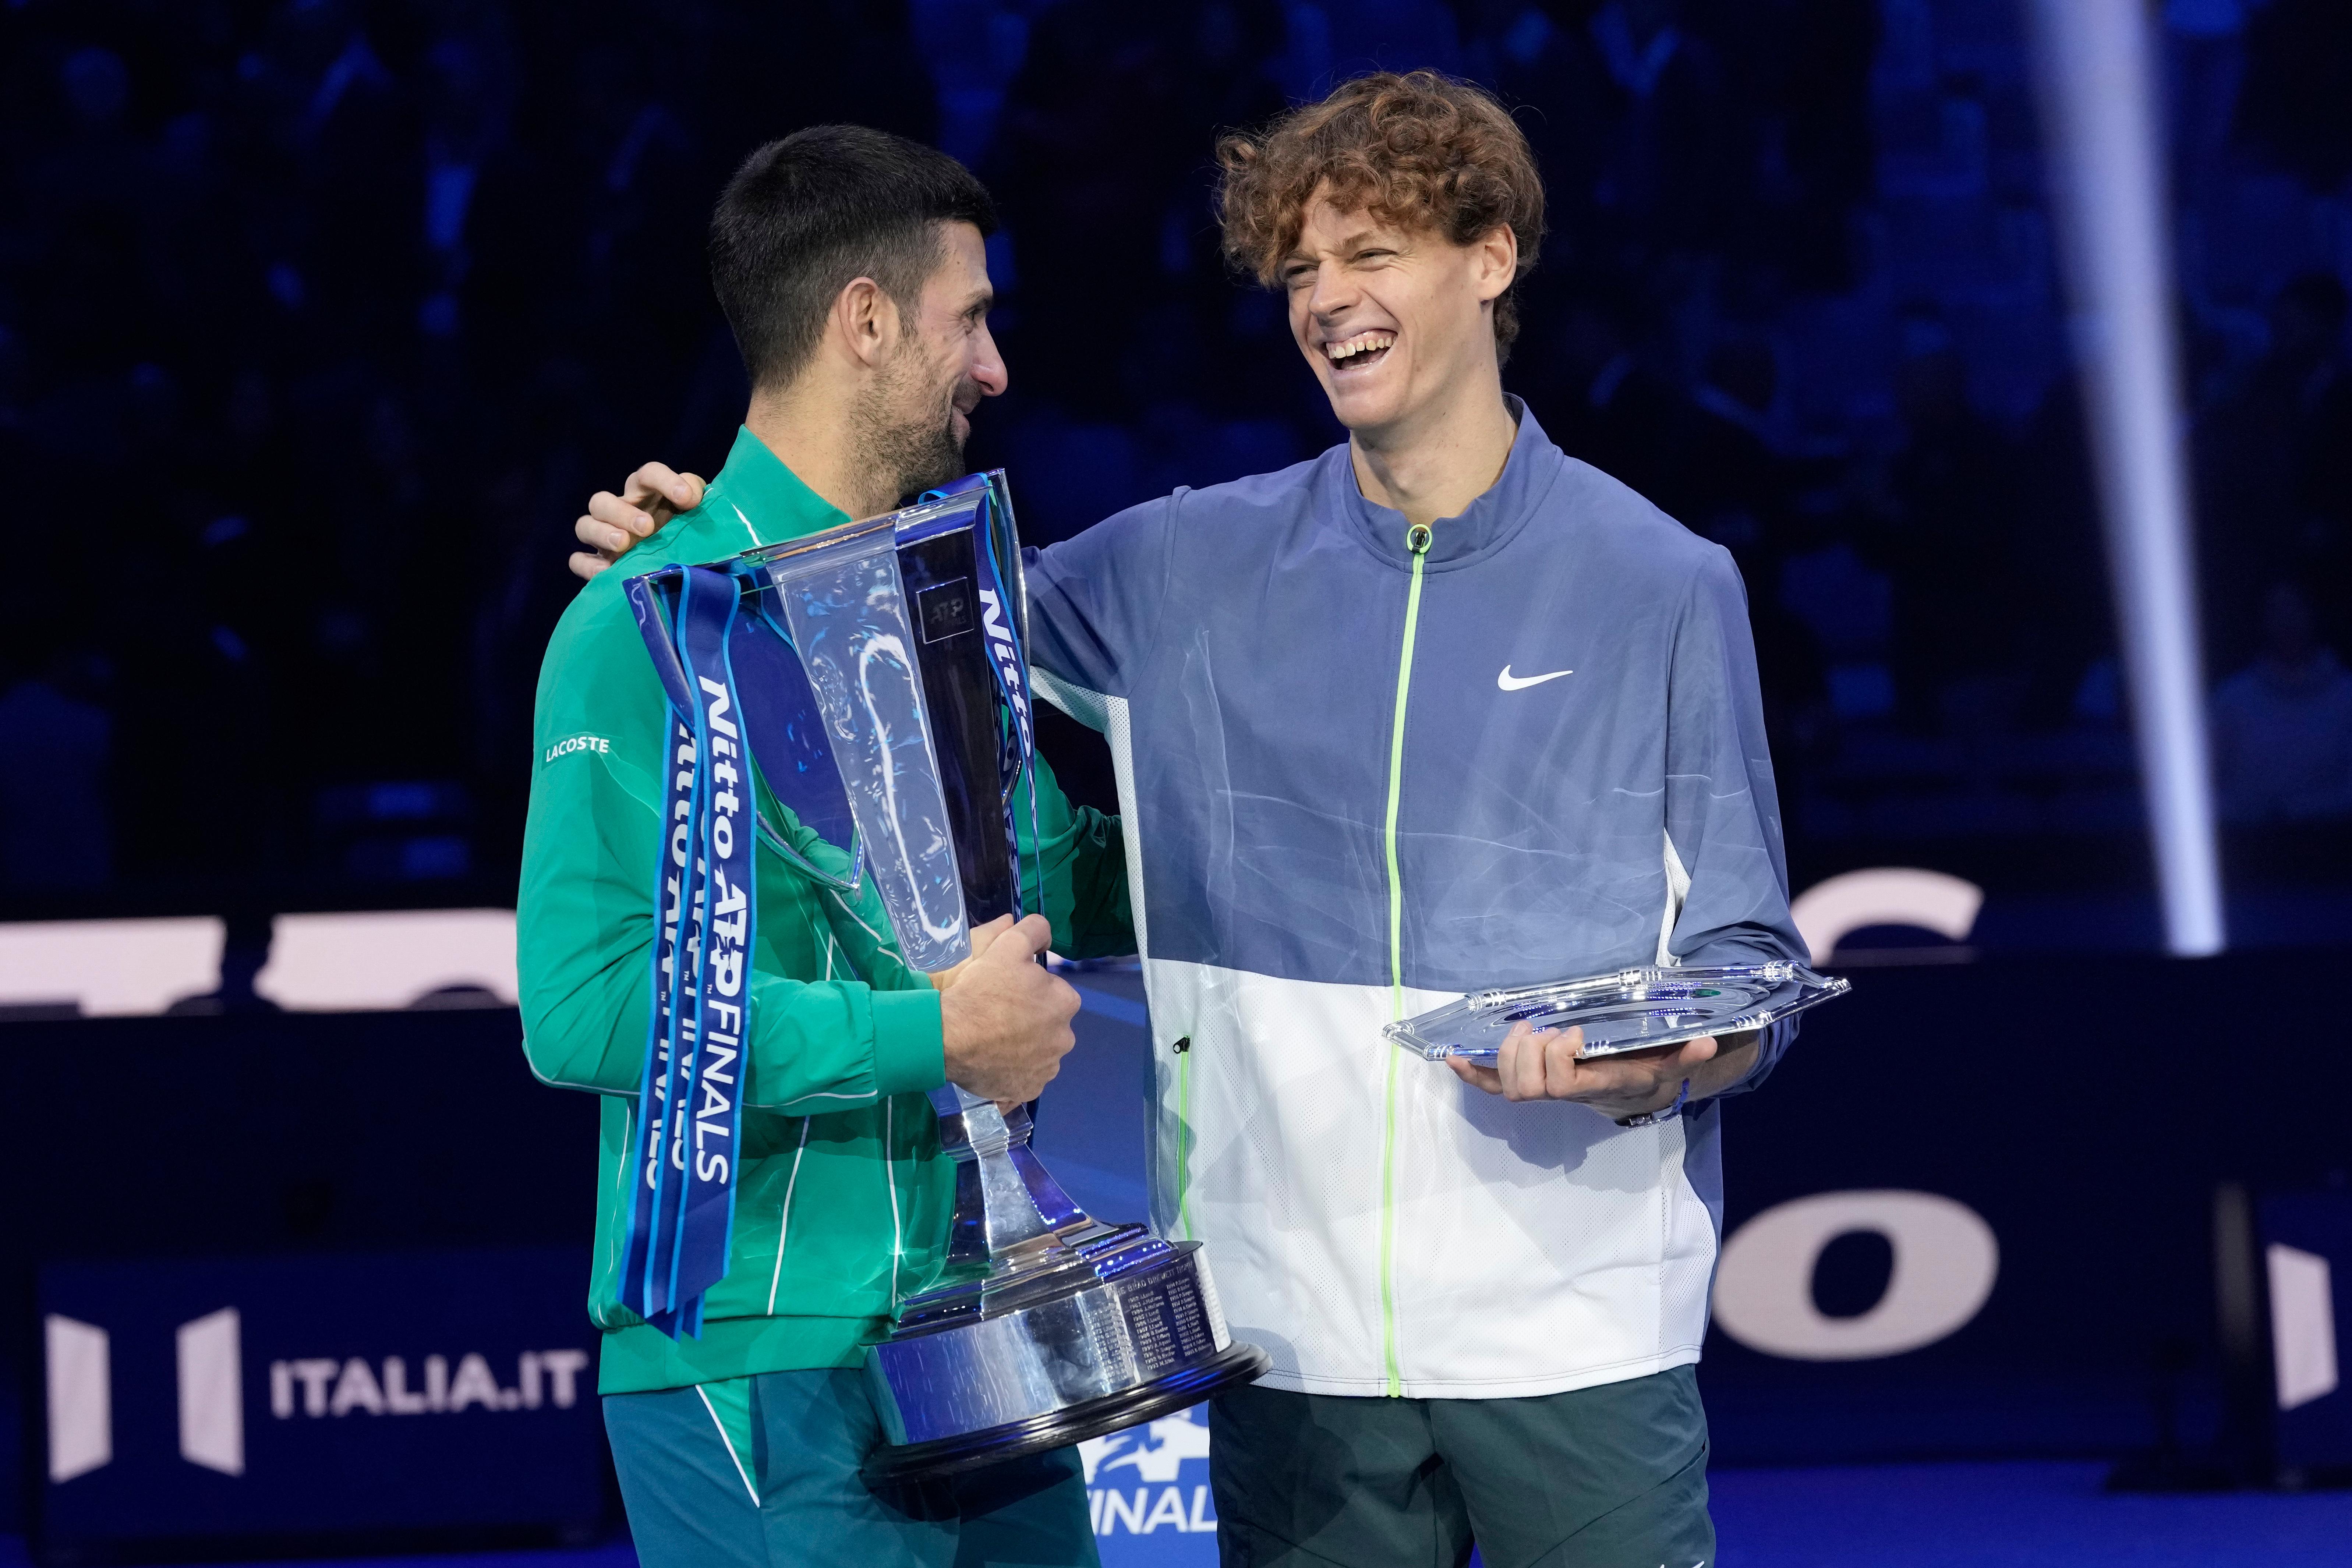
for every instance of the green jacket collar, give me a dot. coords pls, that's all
(755, 500)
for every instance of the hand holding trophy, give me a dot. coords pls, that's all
(1006, 1022)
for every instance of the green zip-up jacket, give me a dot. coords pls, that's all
(843, 1197)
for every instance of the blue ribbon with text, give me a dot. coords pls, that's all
(689, 1099)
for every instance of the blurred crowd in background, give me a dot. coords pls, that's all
(319, 320)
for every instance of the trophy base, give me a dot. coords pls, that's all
(1111, 1327)
(1236, 1364)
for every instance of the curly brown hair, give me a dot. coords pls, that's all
(1422, 150)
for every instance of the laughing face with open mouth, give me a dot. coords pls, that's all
(1397, 322)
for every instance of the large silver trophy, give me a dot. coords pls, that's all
(1046, 1326)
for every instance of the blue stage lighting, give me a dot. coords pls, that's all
(2096, 65)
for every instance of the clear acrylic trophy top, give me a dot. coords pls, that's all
(1625, 1010)
(846, 609)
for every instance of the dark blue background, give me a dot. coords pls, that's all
(351, 304)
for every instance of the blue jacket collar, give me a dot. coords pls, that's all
(1485, 526)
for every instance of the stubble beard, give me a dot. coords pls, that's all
(907, 428)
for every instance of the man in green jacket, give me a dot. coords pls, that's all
(851, 265)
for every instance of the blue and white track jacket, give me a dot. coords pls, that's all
(1360, 780)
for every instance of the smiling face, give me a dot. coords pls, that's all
(1396, 323)
(917, 414)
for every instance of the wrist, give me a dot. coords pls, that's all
(1735, 1060)
(1667, 1111)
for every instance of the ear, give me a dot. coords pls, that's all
(1494, 261)
(865, 320)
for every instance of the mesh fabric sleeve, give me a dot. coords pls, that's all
(1723, 814)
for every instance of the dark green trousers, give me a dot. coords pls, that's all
(761, 1472)
(1613, 1477)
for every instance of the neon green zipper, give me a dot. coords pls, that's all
(1184, 1140)
(1416, 538)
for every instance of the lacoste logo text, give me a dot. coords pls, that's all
(1510, 682)
(572, 743)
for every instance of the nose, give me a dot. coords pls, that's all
(1335, 289)
(988, 363)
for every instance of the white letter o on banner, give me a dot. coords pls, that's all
(1946, 1260)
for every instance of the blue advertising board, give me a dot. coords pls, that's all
(1148, 1492)
(2307, 1268)
(315, 1397)
(2070, 1231)
(1888, 1291)
(1147, 1486)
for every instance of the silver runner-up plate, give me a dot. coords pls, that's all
(1626, 1010)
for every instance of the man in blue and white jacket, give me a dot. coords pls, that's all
(1442, 709)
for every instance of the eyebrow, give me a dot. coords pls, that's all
(1352, 242)
(981, 302)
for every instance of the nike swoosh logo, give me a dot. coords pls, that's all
(1510, 682)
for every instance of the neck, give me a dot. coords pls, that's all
(1435, 466)
(810, 431)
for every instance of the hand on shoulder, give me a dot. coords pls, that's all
(614, 524)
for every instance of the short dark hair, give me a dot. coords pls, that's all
(805, 215)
